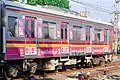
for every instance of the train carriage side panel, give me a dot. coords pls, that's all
(18, 44)
(46, 46)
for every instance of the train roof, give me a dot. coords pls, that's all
(53, 10)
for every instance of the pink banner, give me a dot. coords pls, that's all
(49, 52)
(21, 27)
(39, 28)
(29, 27)
(92, 34)
(71, 34)
(98, 50)
(77, 50)
(41, 52)
(83, 32)
(21, 52)
(46, 52)
(58, 30)
(102, 36)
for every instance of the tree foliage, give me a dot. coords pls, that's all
(32, 2)
(58, 3)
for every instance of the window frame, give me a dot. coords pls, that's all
(65, 27)
(48, 29)
(107, 40)
(15, 26)
(98, 31)
(78, 31)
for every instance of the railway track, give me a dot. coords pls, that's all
(99, 70)
(94, 71)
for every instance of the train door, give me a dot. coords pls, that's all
(30, 38)
(64, 39)
(88, 39)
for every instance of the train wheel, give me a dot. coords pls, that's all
(56, 69)
(10, 72)
(6, 77)
(33, 68)
(90, 64)
(13, 71)
(108, 61)
(29, 69)
(102, 62)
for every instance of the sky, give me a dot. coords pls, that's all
(96, 13)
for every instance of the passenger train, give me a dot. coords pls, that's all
(44, 38)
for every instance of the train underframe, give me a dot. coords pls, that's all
(28, 67)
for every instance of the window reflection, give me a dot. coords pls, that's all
(49, 30)
(97, 34)
(29, 27)
(12, 22)
(77, 33)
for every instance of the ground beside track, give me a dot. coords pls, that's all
(108, 72)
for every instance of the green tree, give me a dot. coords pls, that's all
(32, 2)
(63, 4)
(58, 3)
(40, 2)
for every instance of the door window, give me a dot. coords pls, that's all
(97, 34)
(12, 27)
(29, 27)
(64, 31)
(88, 33)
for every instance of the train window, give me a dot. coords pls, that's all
(97, 34)
(29, 27)
(21, 28)
(83, 34)
(88, 33)
(108, 36)
(38, 28)
(49, 30)
(74, 33)
(61, 33)
(45, 30)
(32, 27)
(105, 37)
(77, 32)
(12, 22)
(52, 30)
(65, 33)
(102, 35)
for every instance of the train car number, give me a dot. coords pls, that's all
(30, 51)
(64, 50)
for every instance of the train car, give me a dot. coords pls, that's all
(44, 38)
